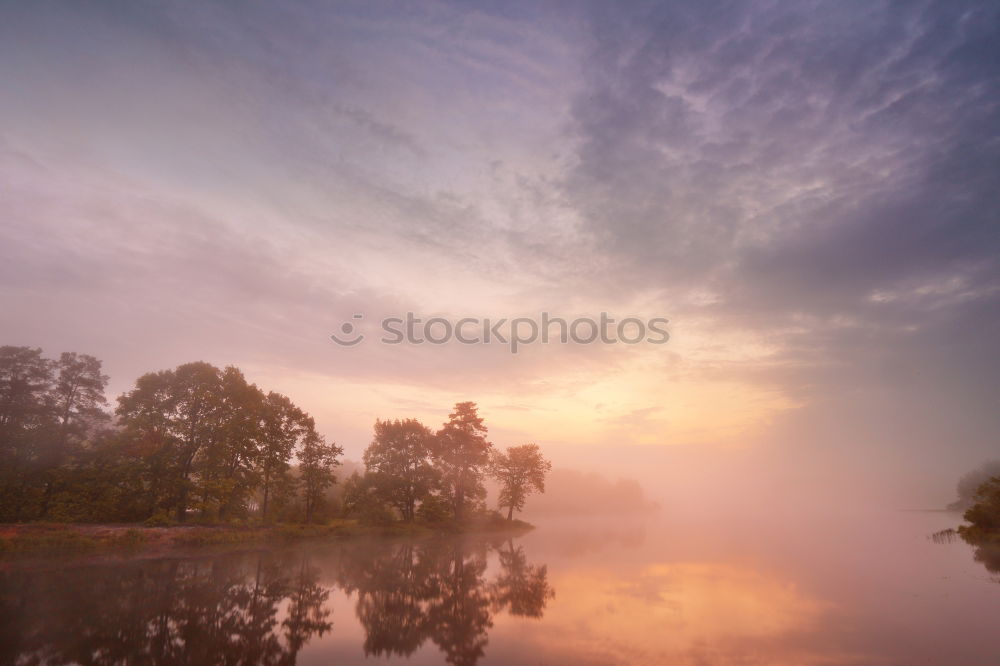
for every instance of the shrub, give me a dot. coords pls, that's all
(160, 519)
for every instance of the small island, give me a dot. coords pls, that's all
(198, 455)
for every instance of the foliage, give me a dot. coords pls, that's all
(48, 410)
(435, 510)
(193, 442)
(398, 464)
(460, 454)
(521, 471)
(200, 444)
(316, 462)
(984, 515)
(970, 482)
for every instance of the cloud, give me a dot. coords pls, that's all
(807, 190)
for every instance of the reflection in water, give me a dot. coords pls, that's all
(680, 613)
(265, 607)
(985, 551)
(215, 610)
(408, 594)
(988, 554)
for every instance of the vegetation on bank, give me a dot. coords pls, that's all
(983, 517)
(982, 530)
(968, 485)
(201, 445)
(48, 538)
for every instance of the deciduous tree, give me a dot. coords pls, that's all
(521, 471)
(398, 464)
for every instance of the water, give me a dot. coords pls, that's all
(844, 589)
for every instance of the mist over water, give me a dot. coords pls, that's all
(794, 587)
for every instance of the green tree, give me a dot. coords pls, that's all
(398, 464)
(970, 482)
(177, 413)
(26, 424)
(984, 515)
(317, 460)
(228, 471)
(284, 425)
(76, 398)
(460, 454)
(521, 471)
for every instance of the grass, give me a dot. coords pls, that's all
(36, 538)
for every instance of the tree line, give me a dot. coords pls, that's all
(202, 442)
(413, 472)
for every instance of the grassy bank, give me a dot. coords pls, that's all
(30, 538)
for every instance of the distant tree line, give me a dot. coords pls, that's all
(201, 442)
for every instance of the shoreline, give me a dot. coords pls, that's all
(20, 539)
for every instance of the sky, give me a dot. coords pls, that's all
(807, 191)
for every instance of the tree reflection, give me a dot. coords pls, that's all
(263, 608)
(439, 591)
(520, 587)
(221, 610)
(988, 554)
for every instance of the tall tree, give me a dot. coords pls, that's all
(78, 394)
(77, 398)
(316, 462)
(521, 471)
(398, 464)
(26, 424)
(461, 453)
(178, 412)
(284, 425)
(228, 470)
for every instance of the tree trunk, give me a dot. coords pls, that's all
(263, 506)
(459, 501)
(510, 512)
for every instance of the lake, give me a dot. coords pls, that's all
(781, 589)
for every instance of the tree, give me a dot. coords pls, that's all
(970, 482)
(229, 470)
(362, 499)
(316, 462)
(177, 411)
(78, 394)
(984, 515)
(284, 425)
(460, 454)
(26, 423)
(520, 471)
(77, 398)
(398, 464)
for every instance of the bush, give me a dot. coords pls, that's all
(375, 515)
(160, 519)
(434, 510)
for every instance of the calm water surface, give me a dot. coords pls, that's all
(841, 590)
